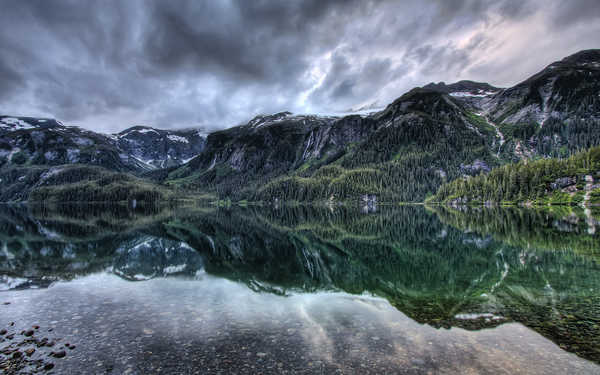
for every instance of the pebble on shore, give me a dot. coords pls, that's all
(19, 357)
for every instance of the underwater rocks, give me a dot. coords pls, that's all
(27, 351)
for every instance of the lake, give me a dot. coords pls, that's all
(299, 290)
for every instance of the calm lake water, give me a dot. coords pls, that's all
(299, 290)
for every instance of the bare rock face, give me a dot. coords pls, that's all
(161, 148)
(560, 91)
(475, 168)
(267, 144)
(570, 189)
(39, 141)
(562, 182)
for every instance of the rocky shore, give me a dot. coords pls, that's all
(30, 350)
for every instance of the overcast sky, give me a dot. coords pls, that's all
(107, 65)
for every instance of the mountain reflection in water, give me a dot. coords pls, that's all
(397, 287)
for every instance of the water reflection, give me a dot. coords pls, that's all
(213, 325)
(449, 268)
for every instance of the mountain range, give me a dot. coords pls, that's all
(429, 136)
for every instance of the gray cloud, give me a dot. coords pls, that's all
(571, 12)
(11, 80)
(108, 64)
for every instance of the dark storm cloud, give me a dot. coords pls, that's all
(251, 39)
(110, 64)
(11, 80)
(570, 12)
(347, 84)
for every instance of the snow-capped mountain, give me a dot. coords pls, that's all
(161, 148)
(426, 137)
(42, 141)
(31, 141)
(564, 90)
(468, 92)
(8, 123)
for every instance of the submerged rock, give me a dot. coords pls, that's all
(58, 354)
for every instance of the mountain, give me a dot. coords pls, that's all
(555, 112)
(563, 90)
(464, 89)
(32, 141)
(161, 148)
(44, 159)
(401, 153)
(469, 93)
(9, 124)
(137, 149)
(429, 136)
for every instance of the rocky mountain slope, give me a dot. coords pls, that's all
(36, 141)
(29, 141)
(563, 90)
(161, 148)
(67, 162)
(402, 152)
(426, 137)
(555, 112)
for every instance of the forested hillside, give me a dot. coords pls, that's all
(425, 138)
(401, 153)
(76, 183)
(575, 180)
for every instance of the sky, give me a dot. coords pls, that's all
(109, 64)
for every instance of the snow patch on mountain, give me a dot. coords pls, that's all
(340, 114)
(81, 141)
(468, 94)
(73, 155)
(188, 159)
(262, 120)
(14, 124)
(139, 131)
(177, 138)
(145, 164)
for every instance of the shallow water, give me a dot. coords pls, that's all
(301, 290)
